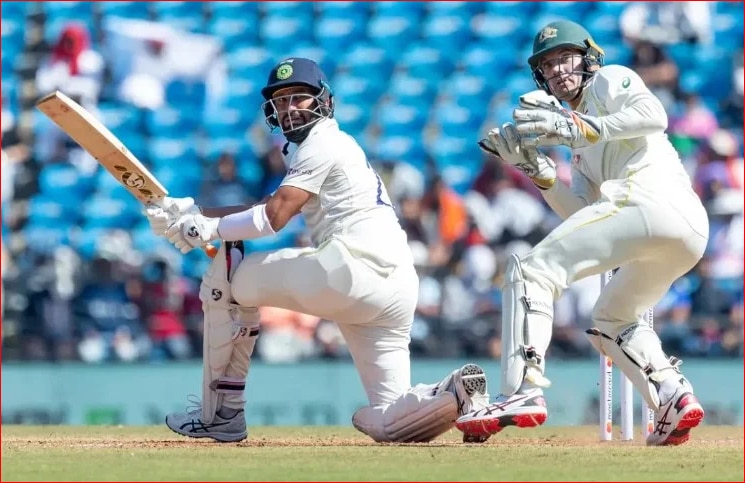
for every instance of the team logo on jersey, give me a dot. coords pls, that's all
(547, 33)
(284, 71)
(625, 82)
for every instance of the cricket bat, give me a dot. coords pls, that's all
(106, 148)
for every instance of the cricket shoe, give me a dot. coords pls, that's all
(526, 410)
(225, 430)
(674, 420)
(468, 384)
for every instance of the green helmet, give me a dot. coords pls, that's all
(564, 34)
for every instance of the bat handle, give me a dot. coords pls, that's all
(210, 250)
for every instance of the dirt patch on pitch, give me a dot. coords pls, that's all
(18, 443)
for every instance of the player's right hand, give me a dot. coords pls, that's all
(163, 214)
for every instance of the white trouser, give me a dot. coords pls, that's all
(374, 311)
(655, 229)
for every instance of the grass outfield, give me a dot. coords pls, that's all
(85, 453)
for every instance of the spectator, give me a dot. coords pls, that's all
(226, 188)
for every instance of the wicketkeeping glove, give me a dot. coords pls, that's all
(505, 143)
(540, 123)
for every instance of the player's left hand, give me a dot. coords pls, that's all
(193, 231)
(542, 124)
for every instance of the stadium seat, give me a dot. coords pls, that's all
(133, 10)
(391, 31)
(447, 33)
(331, 32)
(279, 33)
(103, 211)
(364, 60)
(409, 89)
(177, 151)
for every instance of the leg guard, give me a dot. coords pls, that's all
(417, 416)
(638, 353)
(526, 331)
(230, 333)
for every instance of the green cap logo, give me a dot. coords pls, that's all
(625, 82)
(284, 71)
(547, 33)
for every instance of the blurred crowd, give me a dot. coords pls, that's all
(84, 280)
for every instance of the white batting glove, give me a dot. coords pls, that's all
(505, 143)
(540, 122)
(193, 231)
(167, 211)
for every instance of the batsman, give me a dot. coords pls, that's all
(630, 205)
(359, 273)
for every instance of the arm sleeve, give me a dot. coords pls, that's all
(565, 201)
(632, 110)
(308, 170)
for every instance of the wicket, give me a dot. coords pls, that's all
(627, 393)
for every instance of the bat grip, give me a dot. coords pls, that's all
(210, 250)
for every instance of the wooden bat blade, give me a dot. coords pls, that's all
(106, 148)
(103, 145)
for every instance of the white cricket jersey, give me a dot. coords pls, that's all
(349, 199)
(633, 144)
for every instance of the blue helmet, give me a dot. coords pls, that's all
(293, 72)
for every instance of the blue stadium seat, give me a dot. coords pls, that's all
(181, 92)
(15, 10)
(181, 180)
(299, 10)
(169, 122)
(425, 62)
(178, 152)
(461, 9)
(521, 10)
(605, 29)
(453, 119)
(250, 62)
(50, 210)
(404, 148)
(401, 120)
(409, 89)
(63, 181)
(728, 30)
(45, 239)
(120, 117)
(447, 33)
(103, 211)
(172, 9)
(234, 33)
(280, 33)
(496, 29)
(457, 159)
(391, 31)
(356, 90)
(574, 11)
(78, 11)
(106, 183)
(315, 53)
(133, 10)
(470, 91)
(352, 118)
(610, 8)
(236, 10)
(331, 32)
(228, 121)
(364, 60)
(406, 9)
(354, 10)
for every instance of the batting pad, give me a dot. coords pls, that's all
(230, 333)
(415, 417)
(526, 332)
(639, 356)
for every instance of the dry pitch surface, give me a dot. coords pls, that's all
(53, 453)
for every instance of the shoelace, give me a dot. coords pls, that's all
(195, 404)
